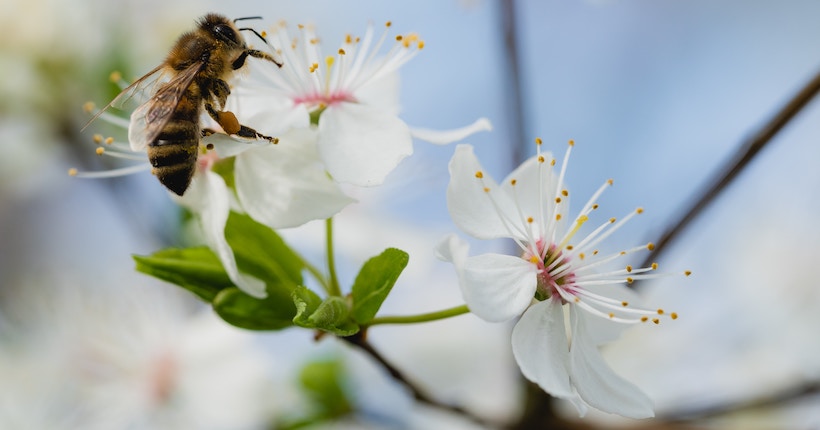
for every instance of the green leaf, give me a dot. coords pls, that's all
(260, 252)
(323, 383)
(330, 315)
(374, 282)
(197, 270)
(274, 312)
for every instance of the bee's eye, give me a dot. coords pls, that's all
(226, 33)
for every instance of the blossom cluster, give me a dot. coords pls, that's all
(337, 126)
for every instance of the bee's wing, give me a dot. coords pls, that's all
(148, 120)
(136, 87)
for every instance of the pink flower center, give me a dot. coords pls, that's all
(325, 99)
(553, 272)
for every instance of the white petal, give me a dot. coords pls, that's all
(382, 93)
(361, 144)
(498, 287)
(269, 112)
(208, 198)
(474, 210)
(533, 200)
(443, 137)
(541, 348)
(596, 383)
(454, 250)
(285, 185)
(602, 330)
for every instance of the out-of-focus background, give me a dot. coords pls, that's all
(656, 94)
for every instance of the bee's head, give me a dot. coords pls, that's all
(221, 29)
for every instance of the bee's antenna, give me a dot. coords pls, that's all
(256, 33)
(247, 17)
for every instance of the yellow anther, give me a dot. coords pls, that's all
(98, 139)
(611, 315)
(72, 172)
(687, 273)
(660, 311)
(301, 26)
(100, 150)
(534, 259)
(529, 220)
(264, 33)
(558, 217)
(595, 206)
(650, 246)
(88, 107)
(388, 23)
(314, 41)
(610, 181)
(420, 44)
(629, 269)
(612, 220)
(654, 266)
(569, 247)
(109, 140)
(673, 315)
(538, 141)
(629, 280)
(624, 304)
(571, 142)
(552, 162)
(479, 174)
(513, 182)
(639, 210)
(582, 256)
(577, 300)
(341, 51)
(486, 189)
(644, 319)
(349, 39)
(656, 321)
(595, 252)
(564, 193)
(540, 158)
(557, 200)
(313, 67)
(399, 38)
(115, 76)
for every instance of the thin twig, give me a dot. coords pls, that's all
(727, 173)
(361, 342)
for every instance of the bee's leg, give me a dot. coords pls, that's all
(229, 123)
(220, 91)
(264, 56)
(240, 60)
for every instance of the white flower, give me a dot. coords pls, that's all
(280, 185)
(128, 356)
(354, 92)
(553, 274)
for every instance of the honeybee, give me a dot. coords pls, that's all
(168, 123)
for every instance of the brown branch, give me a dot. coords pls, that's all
(360, 341)
(786, 395)
(729, 171)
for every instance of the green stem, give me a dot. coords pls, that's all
(412, 319)
(333, 286)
